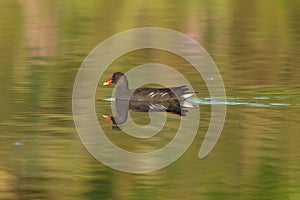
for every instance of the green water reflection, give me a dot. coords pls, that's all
(255, 45)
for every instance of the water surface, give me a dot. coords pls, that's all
(255, 45)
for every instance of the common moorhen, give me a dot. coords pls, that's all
(146, 94)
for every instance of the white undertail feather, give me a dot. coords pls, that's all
(187, 95)
(187, 104)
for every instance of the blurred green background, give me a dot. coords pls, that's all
(255, 45)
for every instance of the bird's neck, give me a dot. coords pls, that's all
(122, 90)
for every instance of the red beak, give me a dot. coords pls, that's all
(108, 81)
(107, 117)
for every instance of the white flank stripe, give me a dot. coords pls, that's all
(163, 94)
(150, 93)
(153, 95)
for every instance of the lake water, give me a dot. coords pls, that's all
(255, 45)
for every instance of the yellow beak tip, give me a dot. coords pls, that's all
(105, 83)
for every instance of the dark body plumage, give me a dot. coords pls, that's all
(146, 94)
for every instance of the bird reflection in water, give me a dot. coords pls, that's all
(122, 107)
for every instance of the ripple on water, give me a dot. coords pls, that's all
(232, 101)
